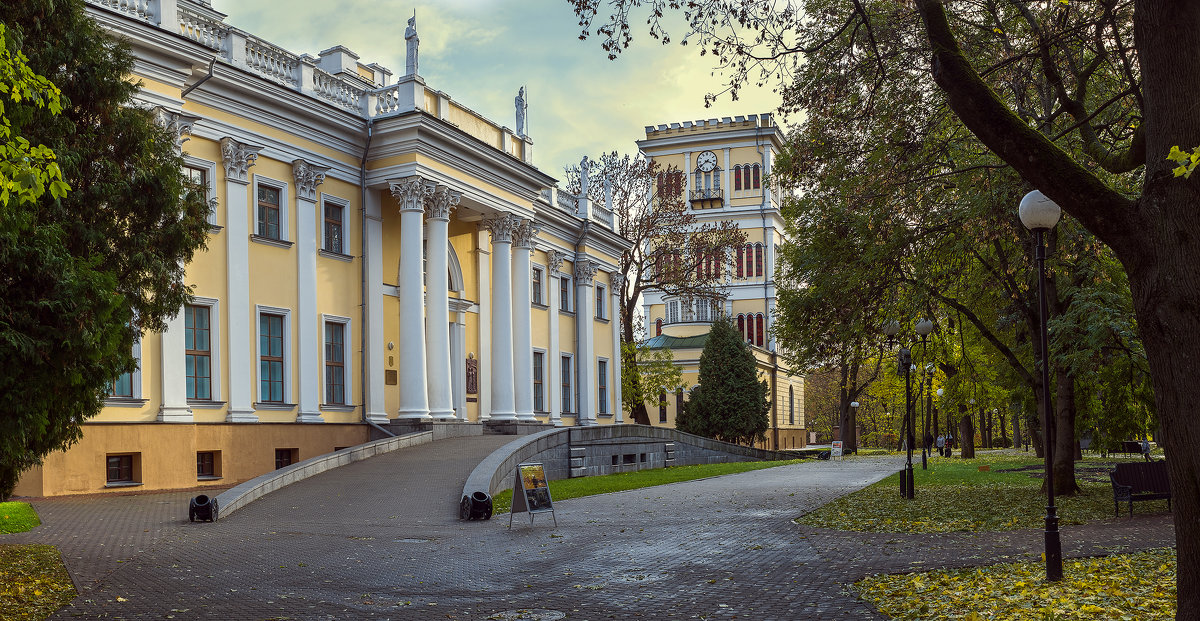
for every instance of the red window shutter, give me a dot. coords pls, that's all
(758, 260)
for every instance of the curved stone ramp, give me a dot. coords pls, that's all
(585, 451)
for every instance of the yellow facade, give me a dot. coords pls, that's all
(328, 283)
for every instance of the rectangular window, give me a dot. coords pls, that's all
(334, 225)
(120, 468)
(286, 457)
(662, 407)
(198, 345)
(335, 363)
(536, 293)
(122, 386)
(207, 464)
(602, 386)
(678, 402)
(673, 312)
(600, 295)
(199, 177)
(268, 212)
(539, 388)
(564, 293)
(270, 356)
(566, 384)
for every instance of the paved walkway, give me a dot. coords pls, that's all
(378, 540)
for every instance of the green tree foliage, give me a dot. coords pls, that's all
(85, 274)
(26, 171)
(654, 374)
(730, 404)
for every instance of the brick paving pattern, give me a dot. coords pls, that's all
(379, 540)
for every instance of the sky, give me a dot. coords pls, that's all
(481, 51)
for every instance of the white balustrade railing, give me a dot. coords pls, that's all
(334, 89)
(567, 202)
(271, 62)
(387, 101)
(142, 10)
(203, 30)
(602, 215)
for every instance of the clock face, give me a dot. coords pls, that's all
(707, 161)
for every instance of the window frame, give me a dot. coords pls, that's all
(662, 406)
(537, 277)
(135, 397)
(602, 386)
(566, 382)
(214, 465)
(601, 307)
(284, 208)
(210, 191)
(564, 293)
(192, 378)
(214, 348)
(539, 380)
(128, 469)
(344, 206)
(347, 360)
(286, 350)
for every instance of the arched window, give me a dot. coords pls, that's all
(756, 176)
(657, 327)
(758, 259)
(746, 177)
(791, 405)
(758, 340)
(742, 325)
(749, 259)
(737, 178)
(739, 262)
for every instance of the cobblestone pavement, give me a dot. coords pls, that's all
(378, 540)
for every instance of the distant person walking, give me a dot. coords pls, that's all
(941, 445)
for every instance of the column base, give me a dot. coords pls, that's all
(445, 416)
(379, 418)
(175, 414)
(586, 422)
(309, 417)
(556, 420)
(527, 417)
(420, 415)
(241, 416)
(502, 416)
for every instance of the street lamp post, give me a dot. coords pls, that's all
(946, 445)
(905, 366)
(923, 328)
(1040, 214)
(853, 425)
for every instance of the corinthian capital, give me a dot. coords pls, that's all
(502, 228)
(617, 279)
(585, 270)
(554, 260)
(524, 233)
(308, 177)
(238, 158)
(177, 123)
(441, 202)
(411, 192)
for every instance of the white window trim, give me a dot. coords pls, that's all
(601, 299)
(345, 205)
(570, 297)
(347, 359)
(570, 378)
(607, 386)
(259, 311)
(537, 269)
(545, 369)
(285, 205)
(210, 193)
(214, 343)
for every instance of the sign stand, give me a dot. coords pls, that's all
(531, 493)
(837, 449)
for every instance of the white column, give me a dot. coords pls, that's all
(373, 368)
(437, 305)
(554, 260)
(458, 358)
(238, 159)
(616, 280)
(726, 181)
(414, 401)
(522, 329)
(503, 399)
(174, 408)
(483, 361)
(308, 177)
(585, 351)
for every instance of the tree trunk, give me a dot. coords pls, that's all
(1064, 434)
(966, 432)
(1016, 420)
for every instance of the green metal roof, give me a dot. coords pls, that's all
(663, 341)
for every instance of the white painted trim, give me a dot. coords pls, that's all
(373, 374)
(308, 335)
(345, 205)
(214, 341)
(211, 192)
(347, 359)
(241, 357)
(285, 205)
(572, 374)
(545, 372)
(607, 386)
(259, 311)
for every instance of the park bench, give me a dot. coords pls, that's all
(1140, 481)
(1131, 447)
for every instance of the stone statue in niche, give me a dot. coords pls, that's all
(472, 375)
(520, 103)
(411, 42)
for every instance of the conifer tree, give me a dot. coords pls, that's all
(730, 404)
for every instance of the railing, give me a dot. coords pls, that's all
(602, 215)
(207, 32)
(271, 62)
(707, 194)
(387, 100)
(336, 90)
(568, 202)
(142, 10)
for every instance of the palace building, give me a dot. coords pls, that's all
(379, 254)
(725, 165)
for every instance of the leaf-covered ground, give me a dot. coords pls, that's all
(1133, 587)
(33, 582)
(17, 517)
(954, 495)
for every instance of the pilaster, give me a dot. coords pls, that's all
(308, 176)
(554, 261)
(522, 331)
(616, 280)
(373, 374)
(585, 354)
(238, 158)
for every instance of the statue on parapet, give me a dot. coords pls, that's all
(411, 41)
(521, 106)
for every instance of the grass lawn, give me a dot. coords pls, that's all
(588, 486)
(954, 495)
(33, 582)
(17, 517)
(1121, 587)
